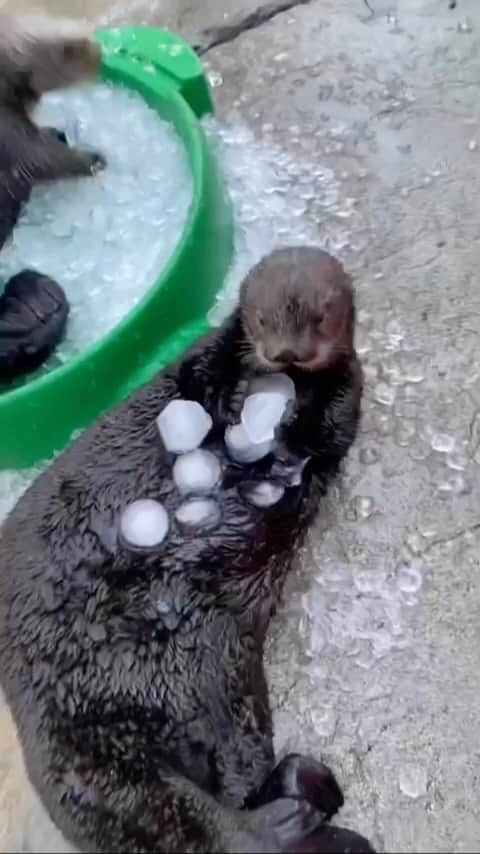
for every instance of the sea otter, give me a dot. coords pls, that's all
(136, 677)
(38, 53)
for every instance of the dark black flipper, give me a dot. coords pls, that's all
(33, 315)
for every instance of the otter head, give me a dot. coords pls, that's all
(297, 310)
(39, 53)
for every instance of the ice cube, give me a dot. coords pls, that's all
(241, 448)
(264, 493)
(144, 523)
(196, 472)
(278, 382)
(198, 512)
(183, 425)
(261, 414)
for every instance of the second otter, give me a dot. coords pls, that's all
(136, 678)
(38, 53)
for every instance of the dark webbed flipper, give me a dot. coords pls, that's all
(33, 314)
(304, 778)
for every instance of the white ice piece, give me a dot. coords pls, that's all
(183, 425)
(277, 382)
(198, 512)
(241, 448)
(264, 493)
(196, 472)
(144, 523)
(262, 413)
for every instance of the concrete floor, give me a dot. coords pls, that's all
(374, 657)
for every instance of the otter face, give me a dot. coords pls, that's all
(297, 309)
(53, 52)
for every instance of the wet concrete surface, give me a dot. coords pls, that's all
(373, 658)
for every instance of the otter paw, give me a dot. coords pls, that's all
(230, 405)
(97, 162)
(303, 777)
(93, 161)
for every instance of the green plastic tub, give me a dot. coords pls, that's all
(38, 418)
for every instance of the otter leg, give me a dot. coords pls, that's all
(108, 814)
(29, 154)
(301, 777)
(56, 133)
(50, 159)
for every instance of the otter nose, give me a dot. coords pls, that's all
(285, 355)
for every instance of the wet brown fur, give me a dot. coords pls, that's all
(136, 680)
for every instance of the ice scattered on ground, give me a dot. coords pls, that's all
(183, 425)
(270, 207)
(196, 472)
(144, 523)
(412, 780)
(104, 239)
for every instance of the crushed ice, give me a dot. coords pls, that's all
(104, 239)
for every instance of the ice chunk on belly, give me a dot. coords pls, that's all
(264, 494)
(144, 523)
(261, 415)
(183, 425)
(241, 448)
(198, 513)
(278, 382)
(196, 472)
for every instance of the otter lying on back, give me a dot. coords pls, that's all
(136, 678)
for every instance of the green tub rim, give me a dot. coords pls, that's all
(168, 74)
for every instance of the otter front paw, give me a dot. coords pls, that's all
(91, 161)
(230, 404)
(97, 162)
